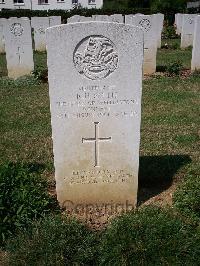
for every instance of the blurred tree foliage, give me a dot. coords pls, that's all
(164, 6)
(168, 6)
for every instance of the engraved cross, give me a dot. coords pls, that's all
(19, 52)
(96, 141)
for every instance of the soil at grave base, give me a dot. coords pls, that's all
(98, 221)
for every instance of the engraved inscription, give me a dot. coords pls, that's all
(96, 141)
(96, 57)
(94, 101)
(16, 29)
(145, 24)
(99, 176)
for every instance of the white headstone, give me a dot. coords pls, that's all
(178, 23)
(2, 42)
(54, 21)
(159, 24)
(101, 18)
(95, 83)
(73, 19)
(18, 46)
(196, 45)
(117, 18)
(187, 33)
(148, 23)
(40, 24)
(129, 19)
(77, 18)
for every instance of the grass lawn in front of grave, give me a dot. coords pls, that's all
(40, 59)
(169, 153)
(169, 121)
(3, 68)
(165, 57)
(169, 134)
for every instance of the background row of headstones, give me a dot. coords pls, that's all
(14, 28)
(185, 26)
(16, 41)
(16, 37)
(188, 26)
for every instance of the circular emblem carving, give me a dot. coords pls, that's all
(145, 24)
(16, 29)
(96, 57)
(41, 30)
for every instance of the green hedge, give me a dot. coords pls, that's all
(66, 14)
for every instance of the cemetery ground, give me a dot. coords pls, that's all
(168, 177)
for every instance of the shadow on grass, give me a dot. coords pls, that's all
(156, 174)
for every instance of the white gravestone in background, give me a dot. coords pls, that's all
(187, 33)
(2, 42)
(18, 46)
(77, 18)
(54, 21)
(95, 83)
(196, 45)
(101, 18)
(178, 23)
(129, 19)
(148, 24)
(73, 19)
(40, 24)
(159, 24)
(117, 18)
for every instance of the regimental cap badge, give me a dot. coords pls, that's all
(96, 57)
(16, 29)
(145, 24)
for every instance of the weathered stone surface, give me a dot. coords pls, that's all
(18, 46)
(196, 45)
(101, 18)
(119, 18)
(77, 18)
(95, 83)
(2, 42)
(148, 23)
(178, 23)
(159, 24)
(187, 33)
(40, 24)
(54, 21)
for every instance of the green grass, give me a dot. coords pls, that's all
(168, 56)
(169, 116)
(169, 153)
